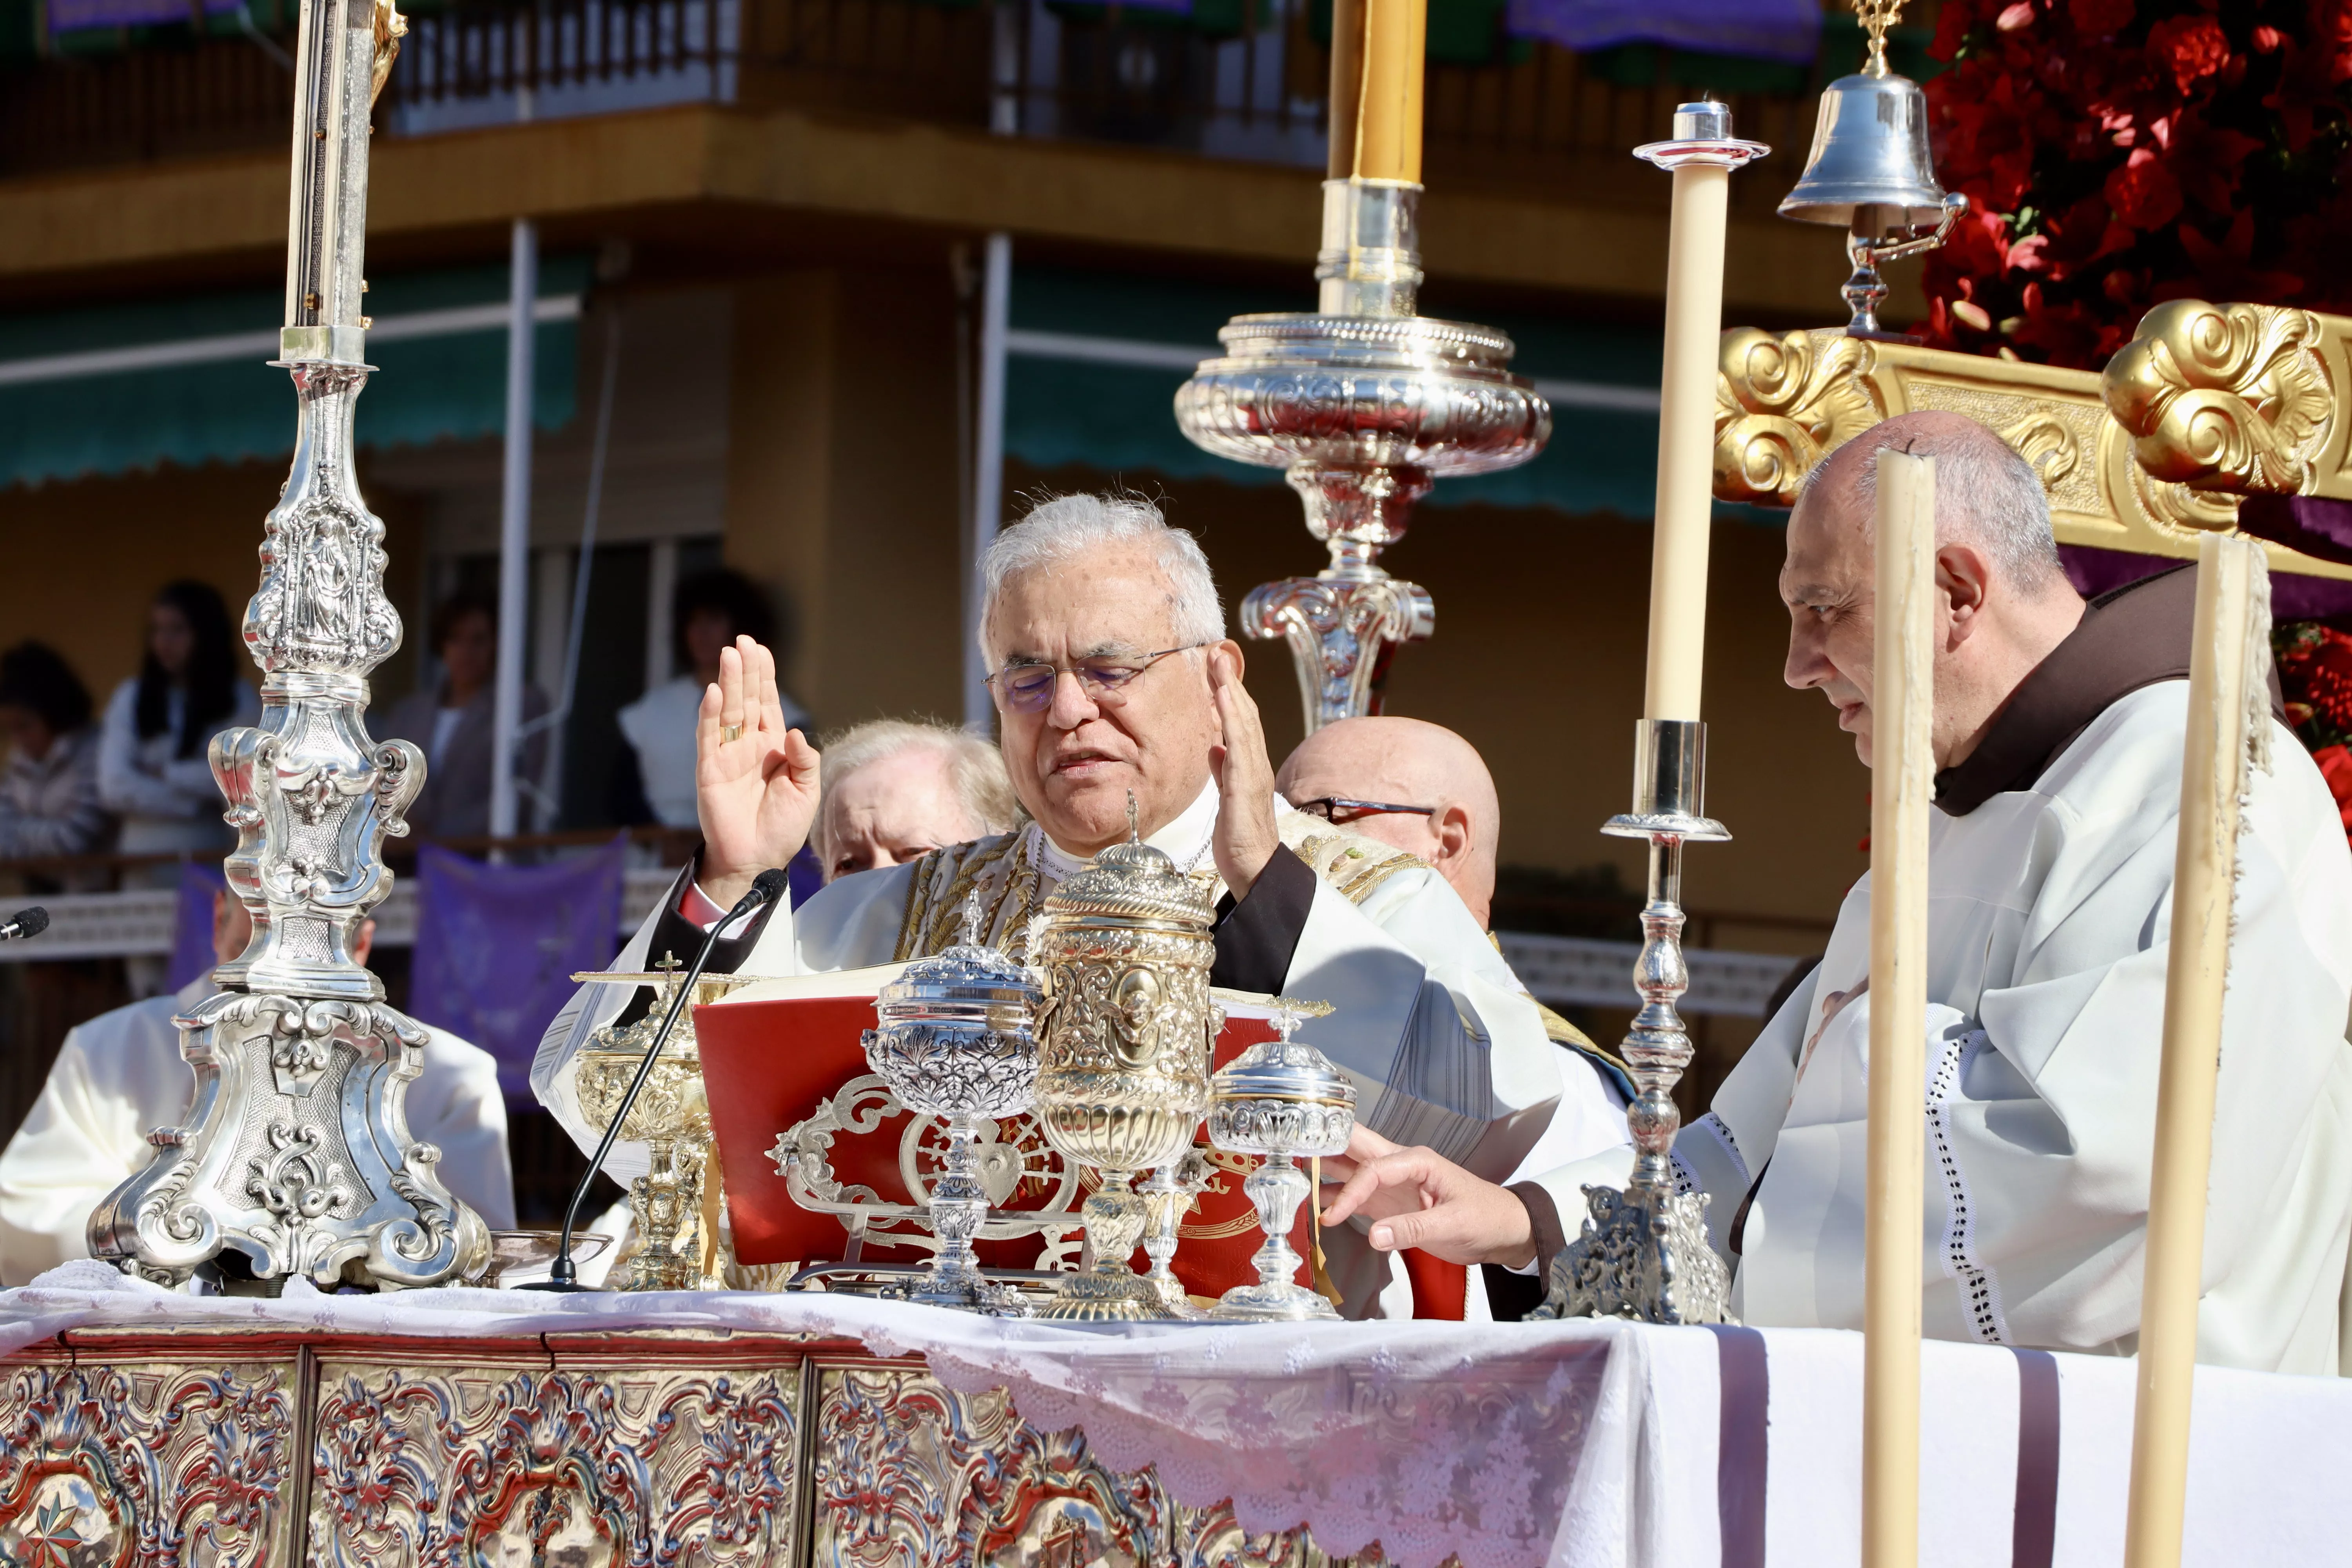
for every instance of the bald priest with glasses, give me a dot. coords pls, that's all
(1113, 677)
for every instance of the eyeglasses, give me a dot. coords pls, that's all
(1339, 811)
(1029, 687)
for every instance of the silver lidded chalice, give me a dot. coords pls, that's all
(955, 1038)
(1281, 1099)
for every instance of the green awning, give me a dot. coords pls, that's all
(112, 389)
(1097, 358)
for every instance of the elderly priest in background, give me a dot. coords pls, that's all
(2058, 735)
(1113, 678)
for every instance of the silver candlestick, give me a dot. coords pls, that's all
(1171, 1190)
(1364, 404)
(296, 1154)
(1643, 1252)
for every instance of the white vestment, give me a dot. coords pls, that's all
(1444, 1044)
(121, 1075)
(2049, 917)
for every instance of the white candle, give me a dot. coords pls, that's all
(1902, 788)
(2226, 667)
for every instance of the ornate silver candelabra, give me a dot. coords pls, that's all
(1365, 403)
(954, 1040)
(1643, 1252)
(295, 1153)
(1284, 1100)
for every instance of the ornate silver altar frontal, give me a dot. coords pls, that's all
(1643, 1252)
(295, 1151)
(1364, 404)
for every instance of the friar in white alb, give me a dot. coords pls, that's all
(121, 1075)
(2058, 733)
(1115, 681)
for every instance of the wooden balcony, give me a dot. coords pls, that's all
(1537, 118)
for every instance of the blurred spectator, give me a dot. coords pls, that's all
(49, 790)
(710, 611)
(894, 791)
(121, 1073)
(455, 725)
(152, 768)
(1417, 786)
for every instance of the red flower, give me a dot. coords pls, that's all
(2143, 194)
(2190, 48)
(2317, 670)
(2100, 18)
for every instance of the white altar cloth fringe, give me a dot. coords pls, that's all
(1590, 1445)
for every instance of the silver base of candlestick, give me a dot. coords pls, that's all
(1364, 404)
(1643, 1252)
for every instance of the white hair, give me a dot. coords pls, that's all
(1986, 493)
(976, 768)
(1061, 527)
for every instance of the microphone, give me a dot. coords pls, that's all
(25, 923)
(562, 1274)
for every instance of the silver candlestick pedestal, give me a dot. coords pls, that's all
(955, 1038)
(295, 1154)
(1364, 404)
(1643, 1252)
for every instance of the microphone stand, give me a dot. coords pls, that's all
(563, 1275)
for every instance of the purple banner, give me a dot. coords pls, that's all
(75, 15)
(1785, 30)
(192, 922)
(2294, 595)
(496, 947)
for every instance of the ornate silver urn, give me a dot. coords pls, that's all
(953, 1038)
(1125, 1035)
(1282, 1100)
(295, 1154)
(1364, 404)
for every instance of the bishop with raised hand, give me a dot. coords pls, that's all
(1114, 679)
(2058, 735)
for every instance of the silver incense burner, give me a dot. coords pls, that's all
(1283, 1099)
(955, 1038)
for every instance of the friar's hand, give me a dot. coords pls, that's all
(1246, 838)
(756, 792)
(1415, 1198)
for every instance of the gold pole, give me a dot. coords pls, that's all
(2225, 665)
(1387, 117)
(1902, 786)
(1679, 546)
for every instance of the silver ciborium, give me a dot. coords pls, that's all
(1124, 1040)
(953, 1039)
(1284, 1100)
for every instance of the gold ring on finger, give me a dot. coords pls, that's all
(730, 733)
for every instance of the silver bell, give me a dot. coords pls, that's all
(1871, 173)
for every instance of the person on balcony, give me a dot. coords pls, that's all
(1119, 693)
(49, 791)
(121, 1075)
(154, 769)
(710, 611)
(2058, 734)
(454, 723)
(894, 791)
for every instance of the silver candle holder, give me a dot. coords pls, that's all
(1643, 1251)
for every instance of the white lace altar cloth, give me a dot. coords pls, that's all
(1593, 1445)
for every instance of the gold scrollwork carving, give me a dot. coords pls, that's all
(2223, 397)
(1780, 403)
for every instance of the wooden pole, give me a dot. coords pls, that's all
(1346, 89)
(1388, 116)
(1679, 546)
(1902, 786)
(2225, 669)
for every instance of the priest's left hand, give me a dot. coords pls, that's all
(1416, 1198)
(1246, 838)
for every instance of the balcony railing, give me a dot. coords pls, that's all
(1126, 75)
